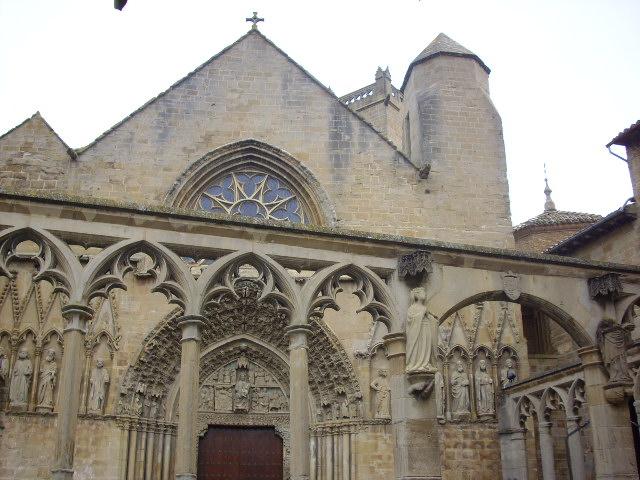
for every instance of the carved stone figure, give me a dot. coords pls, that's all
(20, 380)
(98, 387)
(509, 374)
(4, 366)
(241, 399)
(612, 342)
(440, 396)
(460, 390)
(344, 408)
(48, 378)
(484, 390)
(383, 393)
(420, 334)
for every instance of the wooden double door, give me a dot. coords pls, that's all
(236, 453)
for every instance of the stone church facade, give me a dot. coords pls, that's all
(251, 272)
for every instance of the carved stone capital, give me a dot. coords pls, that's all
(395, 344)
(297, 336)
(605, 287)
(77, 316)
(415, 263)
(190, 326)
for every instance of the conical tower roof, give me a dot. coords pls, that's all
(443, 45)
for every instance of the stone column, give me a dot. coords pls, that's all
(299, 401)
(613, 450)
(576, 453)
(188, 400)
(513, 453)
(546, 450)
(69, 388)
(33, 401)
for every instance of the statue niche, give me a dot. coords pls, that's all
(242, 386)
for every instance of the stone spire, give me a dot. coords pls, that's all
(549, 206)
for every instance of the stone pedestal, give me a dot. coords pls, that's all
(415, 427)
(613, 450)
(188, 399)
(69, 389)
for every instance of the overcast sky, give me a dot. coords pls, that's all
(565, 73)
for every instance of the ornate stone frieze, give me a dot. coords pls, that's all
(412, 264)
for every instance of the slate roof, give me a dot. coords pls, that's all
(443, 45)
(558, 217)
(627, 136)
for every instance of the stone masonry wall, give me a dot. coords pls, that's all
(470, 452)
(33, 157)
(456, 128)
(619, 246)
(253, 91)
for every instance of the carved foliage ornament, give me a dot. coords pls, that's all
(606, 286)
(414, 263)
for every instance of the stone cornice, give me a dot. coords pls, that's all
(11, 200)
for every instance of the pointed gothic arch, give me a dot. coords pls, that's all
(253, 155)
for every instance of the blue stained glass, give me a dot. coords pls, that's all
(253, 194)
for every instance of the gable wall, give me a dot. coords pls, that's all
(253, 91)
(32, 157)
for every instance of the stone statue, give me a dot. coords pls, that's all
(440, 396)
(420, 334)
(383, 393)
(98, 388)
(4, 367)
(242, 388)
(20, 379)
(344, 408)
(484, 390)
(48, 378)
(612, 342)
(460, 390)
(509, 374)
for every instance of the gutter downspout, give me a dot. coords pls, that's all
(616, 155)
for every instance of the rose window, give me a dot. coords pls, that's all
(253, 194)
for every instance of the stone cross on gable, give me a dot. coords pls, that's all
(254, 20)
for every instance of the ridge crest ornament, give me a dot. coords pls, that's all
(511, 285)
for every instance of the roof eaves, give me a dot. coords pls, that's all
(627, 135)
(615, 219)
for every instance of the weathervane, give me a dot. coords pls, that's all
(254, 20)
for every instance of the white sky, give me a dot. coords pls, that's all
(565, 73)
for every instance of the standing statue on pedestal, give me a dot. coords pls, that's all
(421, 331)
(484, 390)
(383, 393)
(48, 377)
(460, 390)
(20, 380)
(98, 388)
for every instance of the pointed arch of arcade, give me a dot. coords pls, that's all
(375, 297)
(253, 155)
(577, 332)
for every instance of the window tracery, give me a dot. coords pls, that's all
(253, 194)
